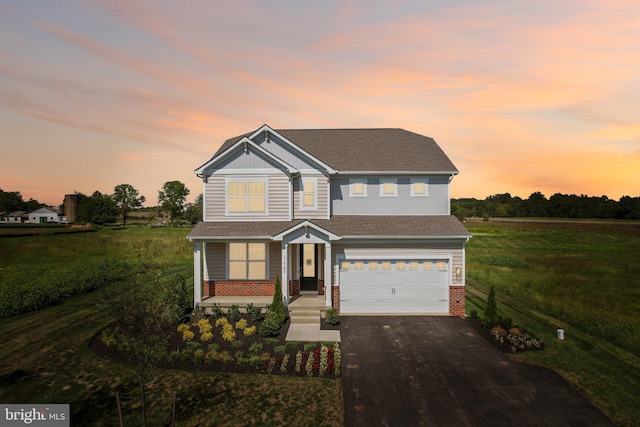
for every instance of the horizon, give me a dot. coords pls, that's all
(519, 95)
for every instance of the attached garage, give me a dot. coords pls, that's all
(394, 286)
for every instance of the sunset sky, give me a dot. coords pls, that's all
(523, 96)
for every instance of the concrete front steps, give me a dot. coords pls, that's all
(306, 309)
(304, 318)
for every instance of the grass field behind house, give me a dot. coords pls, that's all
(583, 278)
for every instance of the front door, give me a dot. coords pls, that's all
(308, 261)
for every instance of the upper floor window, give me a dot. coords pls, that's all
(309, 191)
(247, 261)
(358, 187)
(419, 187)
(246, 196)
(388, 187)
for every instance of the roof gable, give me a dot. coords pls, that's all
(244, 144)
(362, 150)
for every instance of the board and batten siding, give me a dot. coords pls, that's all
(436, 203)
(322, 198)
(286, 153)
(455, 249)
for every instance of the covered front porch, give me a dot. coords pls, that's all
(300, 256)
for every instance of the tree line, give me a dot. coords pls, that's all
(101, 208)
(556, 206)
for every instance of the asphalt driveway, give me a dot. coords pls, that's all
(437, 371)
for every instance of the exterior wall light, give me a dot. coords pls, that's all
(458, 272)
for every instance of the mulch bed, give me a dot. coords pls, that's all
(503, 347)
(176, 342)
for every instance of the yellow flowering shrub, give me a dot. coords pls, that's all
(183, 327)
(228, 334)
(249, 331)
(188, 335)
(241, 324)
(207, 336)
(222, 321)
(204, 326)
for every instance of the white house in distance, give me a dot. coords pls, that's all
(359, 216)
(44, 216)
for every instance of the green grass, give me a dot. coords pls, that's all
(46, 357)
(583, 278)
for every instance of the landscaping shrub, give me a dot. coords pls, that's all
(234, 313)
(491, 310)
(216, 311)
(277, 306)
(254, 313)
(473, 315)
(331, 316)
(270, 324)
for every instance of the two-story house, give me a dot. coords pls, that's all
(361, 216)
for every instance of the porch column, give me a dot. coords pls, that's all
(284, 277)
(327, 274)
(197, 273)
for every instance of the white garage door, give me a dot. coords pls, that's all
(394, 286)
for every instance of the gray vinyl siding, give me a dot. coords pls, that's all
(436, 203)
(215, 264)
(278, 193)
(275, 260)
(453, 248)
(284, 152)
(322, 198)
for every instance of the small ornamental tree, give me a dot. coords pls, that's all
(491, 310)
(277, 306)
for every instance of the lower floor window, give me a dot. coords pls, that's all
(248, 261)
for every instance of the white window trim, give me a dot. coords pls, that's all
(362, 181)
(393, 181)
(315, 194)
(266, 261)
(245, 180)
(424, 181)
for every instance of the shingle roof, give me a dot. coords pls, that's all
(367, 150)
(435, 226)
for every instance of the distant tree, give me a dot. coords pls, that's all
(97, 209)
(194, 213)
(11, 201)
(172, 197)
(126, 199)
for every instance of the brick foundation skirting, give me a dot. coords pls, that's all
(335, 297)
(456, 301)
(248, 288)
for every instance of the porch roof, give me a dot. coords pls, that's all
(351, 226)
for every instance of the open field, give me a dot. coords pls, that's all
(584, 278)
(46, 357)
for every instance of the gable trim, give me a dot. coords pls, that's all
(306, 224)
(245, 144)
(266, 129)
